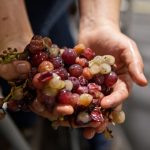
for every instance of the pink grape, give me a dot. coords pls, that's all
(88, 54)
(83, 81)
(97, 115)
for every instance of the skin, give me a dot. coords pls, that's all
(99, 30)
(103, 35)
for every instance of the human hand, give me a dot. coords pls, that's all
(15, 69)
(108, 39)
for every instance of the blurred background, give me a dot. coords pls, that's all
(35, 133)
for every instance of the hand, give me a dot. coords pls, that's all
(108, 40)
(15, 69)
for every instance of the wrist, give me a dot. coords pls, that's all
(97, 13)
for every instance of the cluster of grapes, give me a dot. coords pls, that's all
(75, 77)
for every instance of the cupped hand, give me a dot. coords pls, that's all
(108, 39)
(129, 65)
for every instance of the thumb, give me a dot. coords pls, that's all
(133, 59)
(14, 70)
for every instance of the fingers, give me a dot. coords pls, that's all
(63, 110)
(119, 94)
(16, 69)
(133, 59)
(89, 133)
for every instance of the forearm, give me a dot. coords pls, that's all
(14, 23)
(99, 12)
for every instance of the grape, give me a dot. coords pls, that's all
(64, 97)
(98, 79)
(106, 90)
(83, 81)
(94, 90)
(75, 70)
(97, 115)
(45, 66)
(82, 89)
(83, 118)
(56, 83)
(87, 73)
(68, 85)
(45, 76)
(38, 57)
(47, 42)
(36, 45)
(74, 78)
(69, 56)
(79, 48)
(109, 59)
(85, 99)
(75, 82)
(74, 99)
(94, 69)
(54, 50)
(118, 116)
(82, 62)
(88, 54)
(62, 72)
(57, 62)
(110, 79)
(105, 68)
(50, 91)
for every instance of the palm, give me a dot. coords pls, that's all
(109, 41)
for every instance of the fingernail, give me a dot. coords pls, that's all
(22, 68)
(143, 78)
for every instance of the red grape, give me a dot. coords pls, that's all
(88, 54)
(75, 70)
(57, 62)
(69, 56)
(38, 57)
(64, 97)
(62, 72)
(97, 115)
(75, 82)
(110, 79)
(98, 79)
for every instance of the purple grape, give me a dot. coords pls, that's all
(83, 81)
(57, 62)
(75, 82)
(62, 72)
(75, 70)
(110, 79)
(98, 79)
